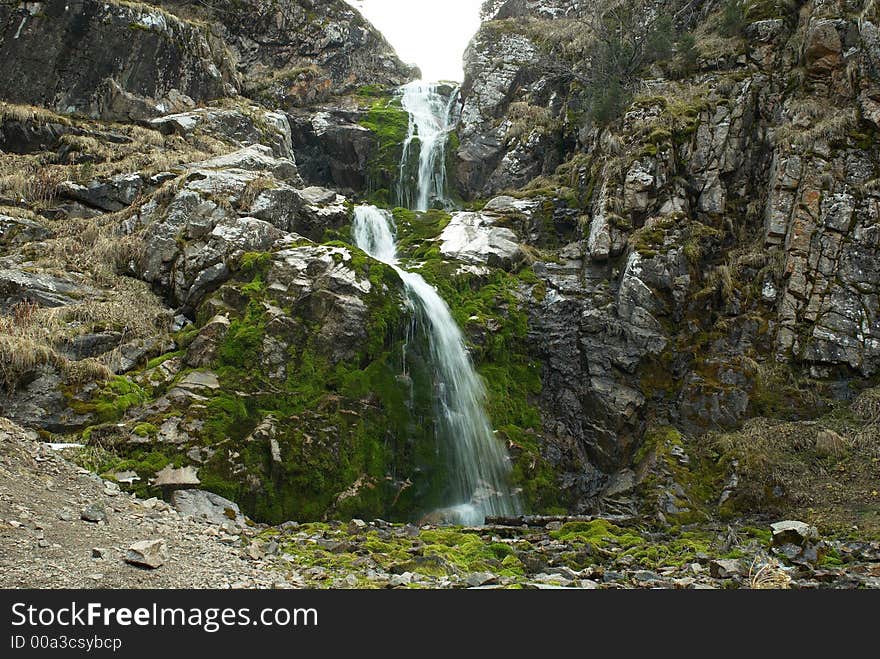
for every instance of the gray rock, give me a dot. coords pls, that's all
(92, 54)
(472, 238)
(200, 380)
(169, 477)
(43, 289)
(725, 568)
(94, 513)
(203, 350)
(793, 532)
(254, 158)
(245, 126)
(18, 231)
(112, 195)
(150, 554)
(476, 579)
(207, 506)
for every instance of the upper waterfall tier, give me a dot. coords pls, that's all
(433, 115)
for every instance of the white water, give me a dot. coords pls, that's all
(431, 118)
(480, 468)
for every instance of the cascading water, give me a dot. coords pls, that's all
(480, 469)
(431, 118)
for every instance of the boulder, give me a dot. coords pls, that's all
(472, 238)
(207, 506)
(172, 478)
(793, 532)
(150, 554)
(254, 158)
(94, 513)
(725, 568)
(244, 126)
(111, 195)
(43, 289)
(15, 231)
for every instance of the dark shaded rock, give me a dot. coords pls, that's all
(86, 56)
(112, 195)
(332, 148)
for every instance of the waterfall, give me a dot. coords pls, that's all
(431, 118)
(480, 467)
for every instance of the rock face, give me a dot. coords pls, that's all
(333, 148)
(66, 56)
(298, 52)
(227, 206)
(739, 233)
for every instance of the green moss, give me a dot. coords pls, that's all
(389, 123)
(599, 533)
(145, 430)
(110, 403)
(243, 341)
(158, 361)
(255, 262)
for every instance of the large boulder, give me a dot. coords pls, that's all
(473, 238)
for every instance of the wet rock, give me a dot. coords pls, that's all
(150, 554)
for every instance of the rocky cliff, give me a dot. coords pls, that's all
(721, 230)
(668, 280)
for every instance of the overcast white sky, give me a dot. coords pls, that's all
(429, 33)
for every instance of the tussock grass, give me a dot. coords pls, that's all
(30, 113)
(766, 573)
(867, 405)
(26, 344)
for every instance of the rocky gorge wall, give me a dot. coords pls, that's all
(705, 257)
(650, 298)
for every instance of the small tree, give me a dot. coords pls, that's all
(688, 56)
(733, 18)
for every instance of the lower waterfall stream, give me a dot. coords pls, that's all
(480, 466)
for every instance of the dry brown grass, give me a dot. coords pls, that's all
(867, 405)
(252, 190)
(26, 343)
(820, 124)
(146, 150)
(526, 119)
(32, 182)
(766, 573)
(30, 113)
